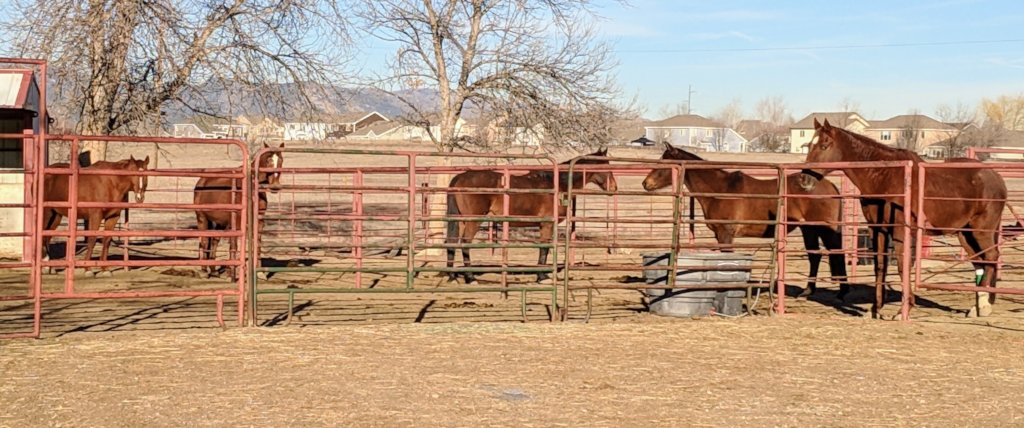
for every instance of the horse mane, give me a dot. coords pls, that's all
(875, 150)
(680, 154)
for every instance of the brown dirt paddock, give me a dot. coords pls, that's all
(791, 371)
(467, 360)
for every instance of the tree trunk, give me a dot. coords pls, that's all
(93, 124)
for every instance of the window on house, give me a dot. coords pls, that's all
(886, 136)
(801, 133)
(708, 133)
(922, 134)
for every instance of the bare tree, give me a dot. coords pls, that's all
(670, 110)
(909, 133)
(534, 62)
(1006, 111)
(774, 117)
(730, 114)
(118, 63)
(848, 105)
(962, 121)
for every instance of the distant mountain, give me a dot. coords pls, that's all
(281, 100)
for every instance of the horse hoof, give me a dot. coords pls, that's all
(546, 281)
(261, 276)
(90, 273)
(104, 274)
(474, 282)
(805, 294)
(977, 312)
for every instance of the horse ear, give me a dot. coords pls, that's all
(826, 125)
(603, 152)
(146, 161)
(668, 146)
(281, 146)
(265, 145)
(131, 158)
(817, 124)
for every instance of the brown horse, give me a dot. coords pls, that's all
(520, 204)
(981, 190)
(221, 190)
(94, 188)
(716, 180)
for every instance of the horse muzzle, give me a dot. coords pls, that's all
(809, 179)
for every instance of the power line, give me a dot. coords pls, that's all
(825, 47)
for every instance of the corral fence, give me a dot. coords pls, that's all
(344, 222)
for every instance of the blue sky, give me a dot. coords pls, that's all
(664, 45)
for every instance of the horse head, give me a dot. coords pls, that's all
(823, 148)
(662, 177)
(603, 179)
(271, 159)
(140, 182)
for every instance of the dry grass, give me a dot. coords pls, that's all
(791, 371)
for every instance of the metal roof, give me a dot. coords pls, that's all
(18, 90)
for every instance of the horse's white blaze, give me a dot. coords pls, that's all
(275, 161)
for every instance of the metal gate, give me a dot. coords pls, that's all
(154, 249)
(354, 222)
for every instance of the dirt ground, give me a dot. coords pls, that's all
(462, 359)
(791, 371)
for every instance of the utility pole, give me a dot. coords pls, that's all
(689, 97)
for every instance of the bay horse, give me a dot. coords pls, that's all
(717, 180)
(982, 194)
(223, 190)
(94, 188)
(519, 204)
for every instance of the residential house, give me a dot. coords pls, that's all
(801, 132)
(348, 123)
(192, 129)
(329, 126)
(915, 132)
(382, 130)
(690, 130)
(1008, 139)
(263, 127)
(417, 128)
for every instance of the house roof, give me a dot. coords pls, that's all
(18, 90)
(909, 121)
(355, 116)
(835, 118)
(377, 128)
(685, 121)
(1014, 139)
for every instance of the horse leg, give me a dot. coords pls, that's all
(108, 225)
(546, 231)
(898, 246)
(813, 257)
(51, 224)
(833, 240)
(91, 224)
(881, 239)
(204, 243)
(984, 256)
(469, 231)
(453, 237)
(212, 251)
